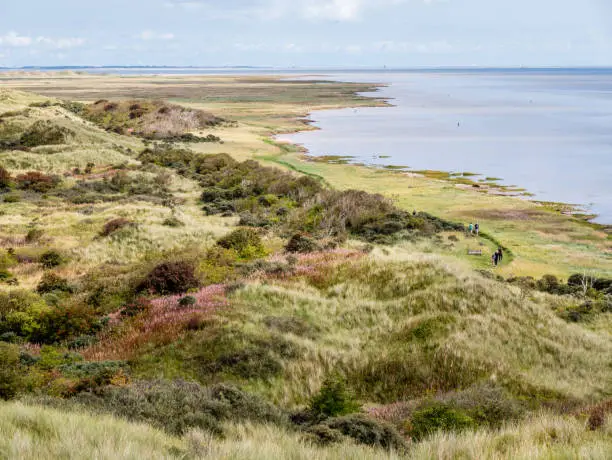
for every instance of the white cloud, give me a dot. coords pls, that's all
(61, 43)
(332, 10)
(14, 39)
(151, 35)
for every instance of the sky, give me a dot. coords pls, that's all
(306, 33)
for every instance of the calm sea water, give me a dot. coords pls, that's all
(548, 131)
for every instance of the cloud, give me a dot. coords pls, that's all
(15, 40)
(314, 10)
(151, 35)
(61, 43)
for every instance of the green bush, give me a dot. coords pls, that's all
(187, 301)
(245, 241)
(12, 198)
(438, 417)
(45, 133)
(333, 399)
(177, 406)
(51, 282)
(66, 322)
(34, 235)
(10, 371)
(51, 259)
(173, 222)
(365, 430)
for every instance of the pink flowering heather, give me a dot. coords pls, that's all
(161, 325)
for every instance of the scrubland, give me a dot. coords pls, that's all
(166, 296)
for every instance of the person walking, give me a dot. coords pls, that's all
(500, 255)
(471, 228)
(477, 228)
(495, 258)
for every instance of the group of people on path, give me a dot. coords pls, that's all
(497, 257)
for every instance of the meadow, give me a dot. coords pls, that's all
(174, 283)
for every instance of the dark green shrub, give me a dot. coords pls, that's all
(245, 241)
(333, 399)
(300, 243)
(170, 278)
(187, 301)
(51, 282)
(365, 430)
(438, 417)
(51, 259)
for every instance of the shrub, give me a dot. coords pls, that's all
(51, 259)
(65, 322)
(173, 222)
(45, 133)
(438, 417)
(178, 406)
(10, 370)
(245, 241)
(138, 307)
(51, 282)
(365, 430)
(324, 435)
(34, 234)
(5, 179)
(115, 225)
(300, 243)
(12, 198)
(333, 399)
(37, 181)
(187, 301)
(170, 278)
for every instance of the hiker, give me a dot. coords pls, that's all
(414, 212)
(495, 258)
(477, 228)
(471, 228)
(500, 255)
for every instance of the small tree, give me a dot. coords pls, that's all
(333, 399)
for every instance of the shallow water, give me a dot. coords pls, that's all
(547, 131)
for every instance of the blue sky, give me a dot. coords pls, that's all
(396, 33)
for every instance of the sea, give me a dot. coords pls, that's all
(547, 130)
